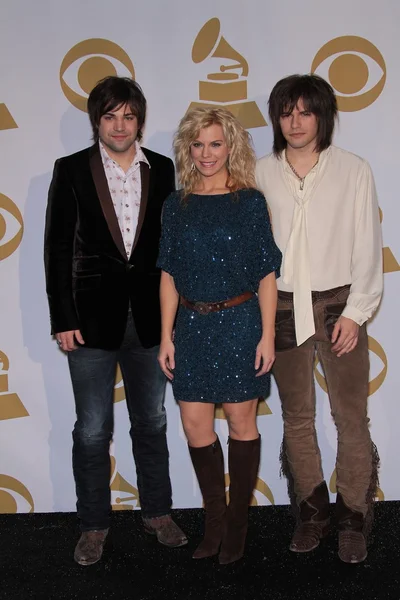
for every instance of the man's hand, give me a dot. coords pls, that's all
(344, 336)
(66, 340)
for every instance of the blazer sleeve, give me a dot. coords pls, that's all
(170, 183)
(61, 219)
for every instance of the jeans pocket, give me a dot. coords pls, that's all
(285, 333)
(331, 314)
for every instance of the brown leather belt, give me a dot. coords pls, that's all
(206, 307)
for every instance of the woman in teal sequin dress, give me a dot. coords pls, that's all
(217, 247)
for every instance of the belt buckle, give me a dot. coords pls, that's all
(202, 307)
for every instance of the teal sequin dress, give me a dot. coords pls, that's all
(217, 247)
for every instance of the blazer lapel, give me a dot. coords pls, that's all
(100, 181)
(145, 183)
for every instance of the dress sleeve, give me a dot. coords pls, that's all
(265, 254)
(166, 255)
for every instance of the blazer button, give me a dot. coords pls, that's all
(129, 267)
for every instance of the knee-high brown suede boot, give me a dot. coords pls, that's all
(208, 463)
(244, 460)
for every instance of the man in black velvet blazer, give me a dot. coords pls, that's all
(103, 225)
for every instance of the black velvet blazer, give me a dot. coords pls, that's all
(89, 280)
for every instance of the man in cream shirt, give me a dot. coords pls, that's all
(325, 219)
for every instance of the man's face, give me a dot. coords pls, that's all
(118, 129)
(299, 127)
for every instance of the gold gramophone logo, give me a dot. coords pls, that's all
(262, 410)
(11, 406)
(390, 264)
(349, 73)
(379, 495)
(17, 230)
(119, 390)
(6, 118)
(97, 53)
(374, 385)
(228, 86)
(123, 495)
(261, 488)
(14, 496)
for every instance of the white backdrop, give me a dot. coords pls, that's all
(39, 122)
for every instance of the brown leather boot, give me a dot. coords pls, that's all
(166, 531)
(90, 547)
(352, 542)
(208, 463)
(313, 520)
(244, 460)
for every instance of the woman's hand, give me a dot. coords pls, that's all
(166, 358)
(265, 354)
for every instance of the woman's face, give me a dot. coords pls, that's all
(209, 151)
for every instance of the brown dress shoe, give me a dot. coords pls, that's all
(167, 532)
(90, 547)
(352, 541)
(313, 520)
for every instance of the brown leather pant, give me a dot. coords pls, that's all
(347, 383)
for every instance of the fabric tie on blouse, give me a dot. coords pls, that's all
(296, 270)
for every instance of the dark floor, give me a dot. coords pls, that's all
(36, 562)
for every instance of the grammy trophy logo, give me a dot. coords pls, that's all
(390, 264)
(95, 67)
(12, 210)
(119, 390)
(14, 496)
(349, 73)
(376, 382)
(123, 495)
(262, 409)
(379, 495)
(260, 487)
(227, 87)
(6, 118)
(11, 406)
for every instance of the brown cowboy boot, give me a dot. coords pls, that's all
(90, 547)
(166, 530)
(313, 520)
(244, 460)
(352, 542)
(208, 463)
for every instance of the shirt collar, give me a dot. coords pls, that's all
(322, 157)
(139, 155)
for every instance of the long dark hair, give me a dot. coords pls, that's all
(318, 98)
(111, 93)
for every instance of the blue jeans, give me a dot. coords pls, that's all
(93, 379)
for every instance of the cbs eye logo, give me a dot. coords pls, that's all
(349, 72)
(10, 232)
(14, 496)
(93, 56)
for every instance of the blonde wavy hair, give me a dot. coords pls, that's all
(242, 159)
